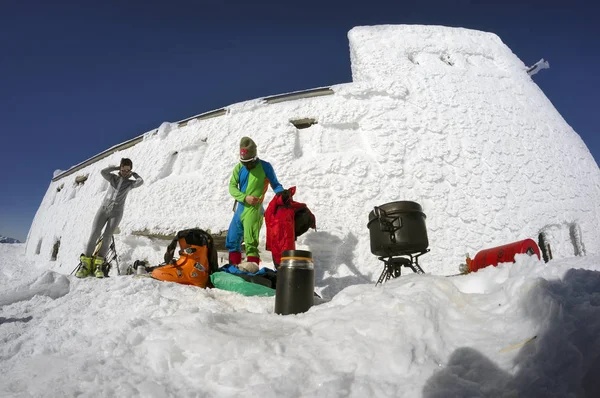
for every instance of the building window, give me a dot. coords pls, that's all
(55, 250)
(80, 180)
(303, 123)
(544, 247)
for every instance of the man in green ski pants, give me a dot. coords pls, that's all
(249, 182)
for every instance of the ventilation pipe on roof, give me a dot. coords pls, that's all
(538, 66)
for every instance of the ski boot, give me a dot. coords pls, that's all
(85, 267)
(98, 263)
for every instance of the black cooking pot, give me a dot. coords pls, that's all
(397, 228)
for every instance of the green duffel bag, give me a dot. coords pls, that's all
(233, 283)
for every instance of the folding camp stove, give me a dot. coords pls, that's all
(392, 266)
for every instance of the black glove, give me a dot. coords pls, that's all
(285, 195)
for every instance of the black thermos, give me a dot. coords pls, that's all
(295, 282)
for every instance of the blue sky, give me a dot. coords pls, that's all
(77, 77)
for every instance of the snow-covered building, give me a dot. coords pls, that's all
(446, 117)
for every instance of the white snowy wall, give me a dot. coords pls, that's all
(445, 117)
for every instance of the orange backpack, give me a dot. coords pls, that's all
(197, 261)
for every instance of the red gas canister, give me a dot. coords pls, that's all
(502, 254)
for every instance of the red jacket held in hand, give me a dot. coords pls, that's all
(285, 222)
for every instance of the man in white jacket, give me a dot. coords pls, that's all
(109, 214)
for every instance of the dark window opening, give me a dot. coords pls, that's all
(39, 247)
(55, 250)
(544, 247)
(80, 180)
(58, 189)
(303, 123)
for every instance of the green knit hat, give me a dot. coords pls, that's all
(247, 150)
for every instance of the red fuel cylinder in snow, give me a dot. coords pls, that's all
(502, 254)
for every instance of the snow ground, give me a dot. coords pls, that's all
(524, 329)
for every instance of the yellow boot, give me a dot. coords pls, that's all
(85, 267)
(98, 263)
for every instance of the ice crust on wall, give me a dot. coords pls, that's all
(446, 117)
